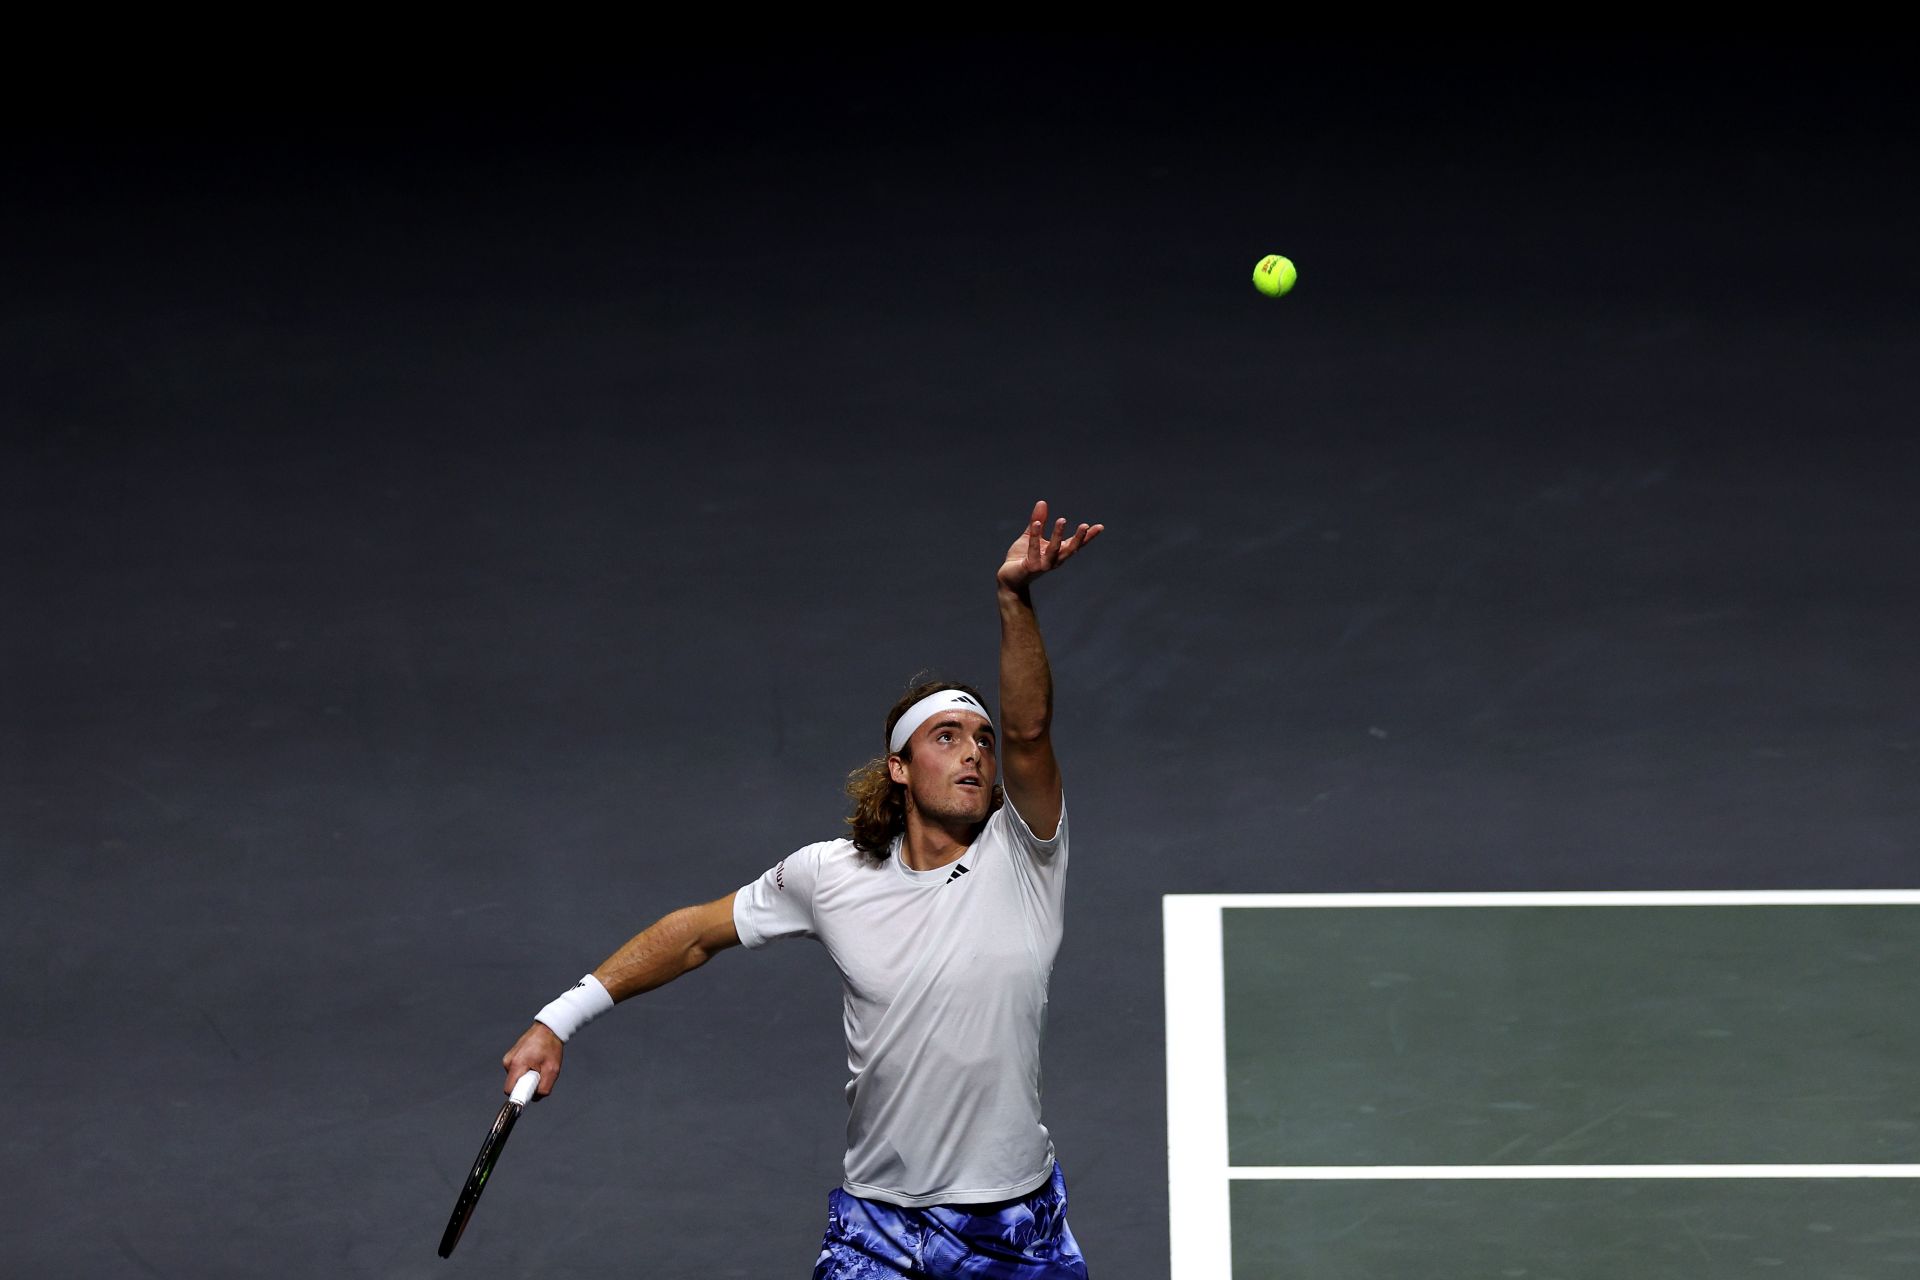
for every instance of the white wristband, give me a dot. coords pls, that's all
(574, 1010)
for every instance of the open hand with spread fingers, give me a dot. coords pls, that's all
(1036, 551)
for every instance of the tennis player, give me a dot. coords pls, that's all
(943, 912)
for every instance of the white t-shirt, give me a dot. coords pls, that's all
(945, 974)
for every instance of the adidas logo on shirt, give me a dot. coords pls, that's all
(958, 871)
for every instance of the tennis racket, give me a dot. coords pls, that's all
(483, 1163)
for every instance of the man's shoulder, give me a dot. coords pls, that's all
(1006, 824)
(838, 848)
(804, 871)
(832, 871)
(826, 855)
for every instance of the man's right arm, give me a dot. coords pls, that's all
(673, 945)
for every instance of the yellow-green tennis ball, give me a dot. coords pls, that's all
(1273, 275)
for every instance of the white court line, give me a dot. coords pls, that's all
(1515, 1172)
(1198, 1191)
(1662, 898)
(1200, 1178)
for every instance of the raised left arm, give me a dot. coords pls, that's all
(1029, 770)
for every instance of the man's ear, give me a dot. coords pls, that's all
(897, 769)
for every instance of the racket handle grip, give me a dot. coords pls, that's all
(523, 1088)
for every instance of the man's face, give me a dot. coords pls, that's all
(953, 769)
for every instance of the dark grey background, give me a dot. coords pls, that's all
(451, 519)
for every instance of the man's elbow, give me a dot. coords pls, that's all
(712, 931)
(1027, 733)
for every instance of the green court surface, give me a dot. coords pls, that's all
(1605, 1229)
(1578, 1085)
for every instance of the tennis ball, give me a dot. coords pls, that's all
(1273, 275)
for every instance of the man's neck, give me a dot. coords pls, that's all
(929, 844)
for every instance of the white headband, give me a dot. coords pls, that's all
(928, 707)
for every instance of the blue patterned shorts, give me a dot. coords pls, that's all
(1025, 1239)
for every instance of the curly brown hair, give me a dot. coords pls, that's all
(879, 803)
